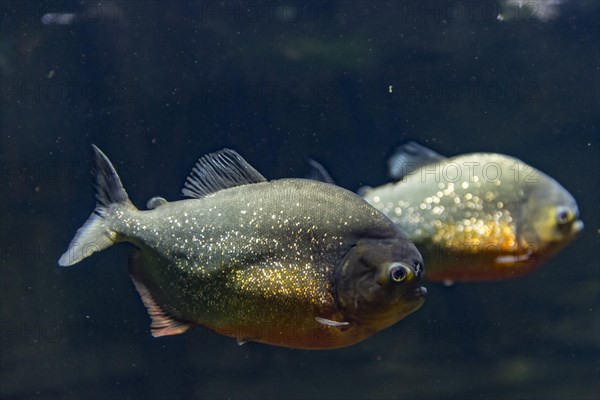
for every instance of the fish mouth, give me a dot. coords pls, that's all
(577, 227)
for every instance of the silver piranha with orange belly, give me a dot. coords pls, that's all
(290, 262)
(476, 217)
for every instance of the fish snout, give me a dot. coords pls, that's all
(577, 227)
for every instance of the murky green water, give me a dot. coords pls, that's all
(158, 84)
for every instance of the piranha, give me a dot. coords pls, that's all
(476, 217)
(289, 262)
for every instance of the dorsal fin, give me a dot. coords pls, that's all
(318, 172)
(409, 157)
(223, 169)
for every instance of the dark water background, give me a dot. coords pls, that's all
(158, 84)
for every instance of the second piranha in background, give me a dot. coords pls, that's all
(476, 217)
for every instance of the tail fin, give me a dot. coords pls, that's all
(95, 235)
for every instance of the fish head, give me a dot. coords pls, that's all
(551, 217)
(378, 282)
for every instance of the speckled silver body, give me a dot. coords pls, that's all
(455, 190)
(254, 258)
(466, 212)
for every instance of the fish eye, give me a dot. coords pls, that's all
(399, 272)
(563, 216)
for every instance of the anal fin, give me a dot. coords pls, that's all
(162, 324)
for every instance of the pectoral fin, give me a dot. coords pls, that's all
(512, 258)
(329, 322)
